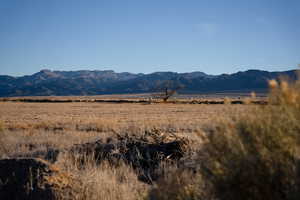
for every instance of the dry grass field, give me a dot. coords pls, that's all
(31, 127)
(35, 129)
(157, 151)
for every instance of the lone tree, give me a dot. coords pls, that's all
(167, 89)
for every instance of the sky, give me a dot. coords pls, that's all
(144, 36)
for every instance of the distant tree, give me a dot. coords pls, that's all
(167, 89)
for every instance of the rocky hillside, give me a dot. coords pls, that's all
(64, 83)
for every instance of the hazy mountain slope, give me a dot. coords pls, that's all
(86, 82)
(248, 80)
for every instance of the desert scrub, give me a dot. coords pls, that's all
(257, 155)
(252, 157)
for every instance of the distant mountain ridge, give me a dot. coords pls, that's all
(85, 82)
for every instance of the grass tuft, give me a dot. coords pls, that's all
(103, 181)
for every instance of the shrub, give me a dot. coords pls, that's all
(227, 101)
(254, 157)
(257, 156)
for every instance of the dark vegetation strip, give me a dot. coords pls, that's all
(259, 102)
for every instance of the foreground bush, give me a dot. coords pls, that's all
(253, 157)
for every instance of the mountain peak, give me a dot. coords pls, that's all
(45, 71)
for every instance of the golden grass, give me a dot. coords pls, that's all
(32, 127)
(105, 181)
(94, 117)
(180, 185)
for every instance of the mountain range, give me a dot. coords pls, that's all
(85, 82)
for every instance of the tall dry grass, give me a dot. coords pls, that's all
(105, 182)
(3, 149)
(1, 126)
(179, 184)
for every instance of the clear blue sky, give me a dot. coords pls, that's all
(212, 36)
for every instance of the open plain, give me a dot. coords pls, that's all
(60, 124)
(49, 130)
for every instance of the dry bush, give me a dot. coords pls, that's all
(253, 157)
(103, 181)
(227, 101)
(257, 157)
(285, 93)
(247, 101)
